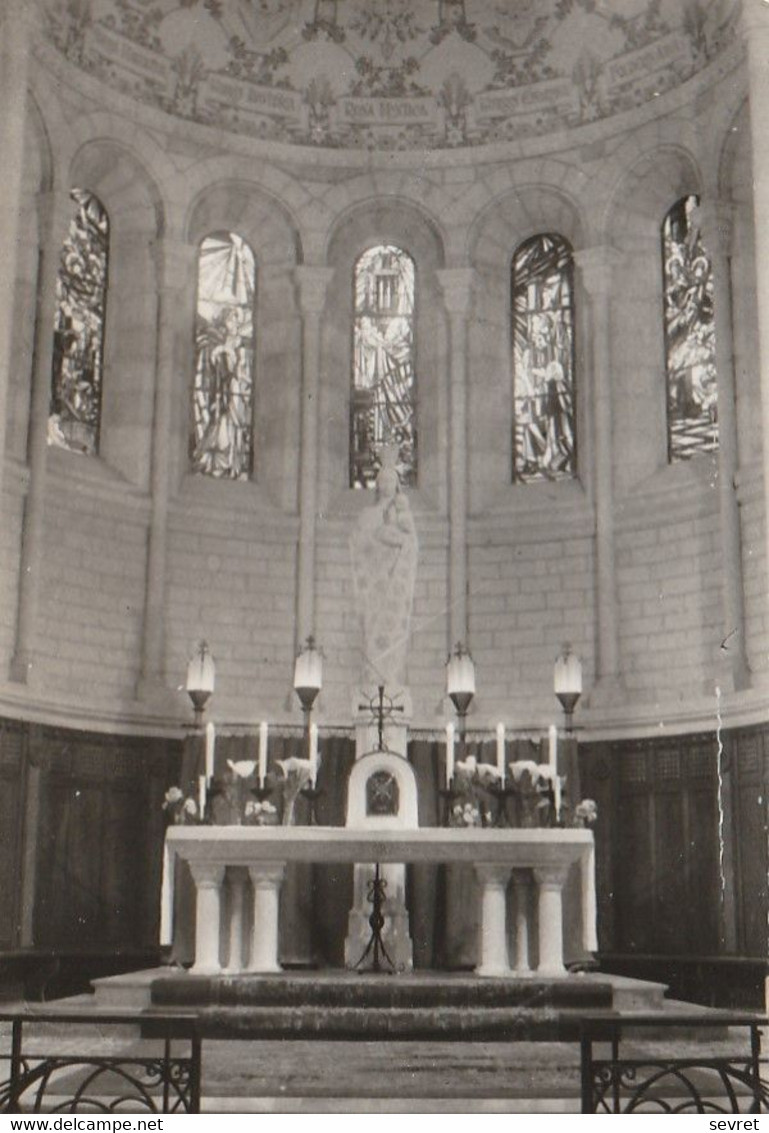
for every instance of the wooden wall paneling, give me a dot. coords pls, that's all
(703, 904)
(636, 891)
(11, 848)
(750, 843)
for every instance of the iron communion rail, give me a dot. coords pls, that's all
(656, 1082)
(139, 1081)
(132, 1081)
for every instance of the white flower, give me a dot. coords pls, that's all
(488, 773)
(190, 807)
(172, 796)
(242, 768)
(301, 768)
(467, 766)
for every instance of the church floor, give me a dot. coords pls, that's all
(265, 1076)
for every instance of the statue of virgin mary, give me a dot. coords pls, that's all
(384, 551)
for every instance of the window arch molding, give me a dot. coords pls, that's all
(400, 224)
(244, 208)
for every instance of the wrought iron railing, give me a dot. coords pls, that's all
(77, 1081)
(626, 1079)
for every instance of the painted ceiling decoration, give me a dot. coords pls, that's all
(391, 74)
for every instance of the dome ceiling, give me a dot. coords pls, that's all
(391, 74)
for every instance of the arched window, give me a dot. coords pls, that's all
(78, 337)
(690, 334)
(221, 435)
(543, 360)
(383, 374)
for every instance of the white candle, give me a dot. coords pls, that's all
(262, 752)
(313, 753)
(557, 796)
(501, 752)
(210, 745)
(553, 734)
(449, 754)
(201, 796)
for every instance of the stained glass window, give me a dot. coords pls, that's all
(690, 334)
(383, 381)
(78, 337)
(543, 360)
(222, 403)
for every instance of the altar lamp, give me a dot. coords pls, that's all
(201, 677)
(567, 682)
(308, 681)
(460, 683)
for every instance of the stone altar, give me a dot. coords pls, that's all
(252, 861)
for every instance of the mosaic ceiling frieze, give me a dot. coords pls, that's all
(391, 74)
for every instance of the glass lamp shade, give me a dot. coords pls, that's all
(201, 671)
(567, 674)
(308, 673)
(460, 673)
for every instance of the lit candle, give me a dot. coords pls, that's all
(262, 752)
(553, 734)
(313, 753)
(210, 744)
(201, 796)
(449, 754)
(501, 752)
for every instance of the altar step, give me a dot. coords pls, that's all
(413, 1007)
(380, 992)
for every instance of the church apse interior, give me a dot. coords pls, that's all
(496, 265)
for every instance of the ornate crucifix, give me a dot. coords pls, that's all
(381, 708)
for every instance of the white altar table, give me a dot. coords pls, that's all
(258, 855)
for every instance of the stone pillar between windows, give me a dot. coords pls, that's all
(312, 284)
(54, 215)
(175, 264)
(595, 266)
(14, 57)
(457, 286)
(755, 28)
(717, 231)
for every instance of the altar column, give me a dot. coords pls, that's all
(717, 232)
(14, 57)
(237, 880)
(175, 267)
(208, 884)
(522, 890)
(493, 928)
(266, 878)
(457, 285)
(312, 283)
(55, 210)
(595, 267)
(550, 907)
(755, 30)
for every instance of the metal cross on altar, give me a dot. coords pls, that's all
(381, 708)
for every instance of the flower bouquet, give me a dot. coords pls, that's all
(296, 775)
(180, 810)
(535, 786)
(260, 813)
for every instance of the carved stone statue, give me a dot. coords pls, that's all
(384, 561)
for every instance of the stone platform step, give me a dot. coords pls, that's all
(379, 992)
(367, 1024)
